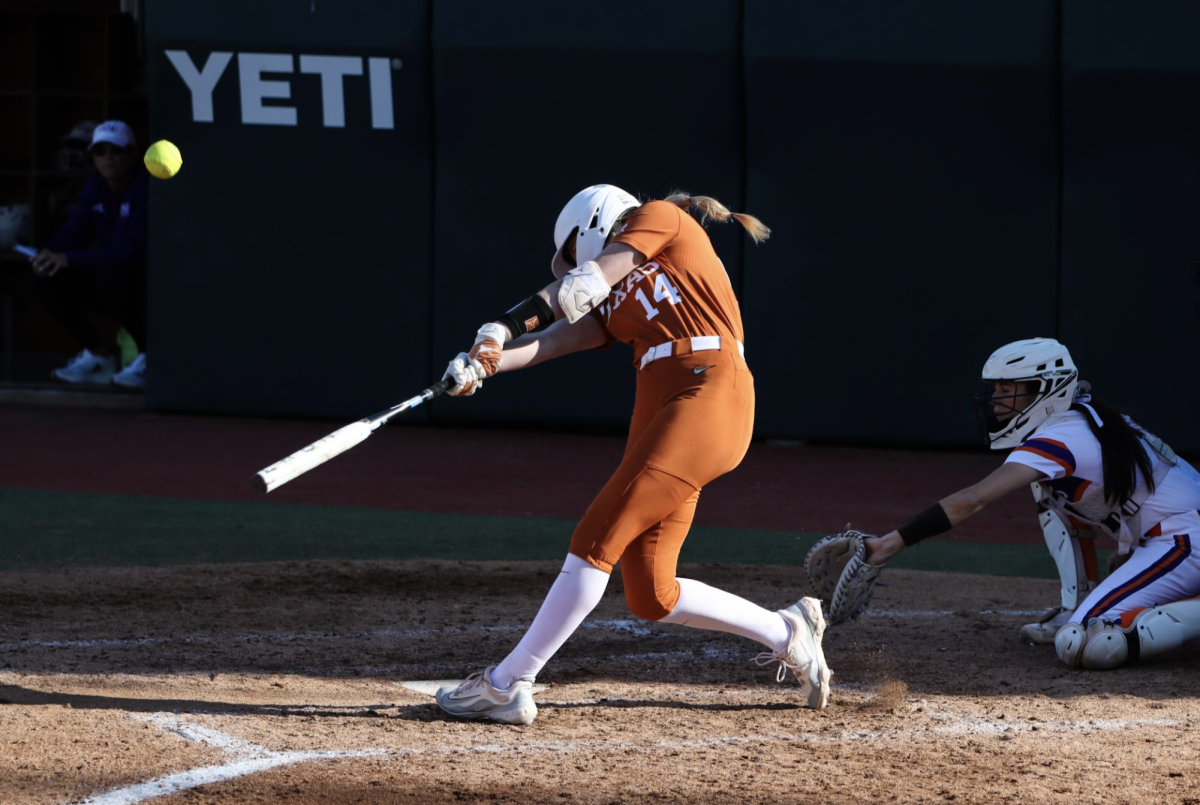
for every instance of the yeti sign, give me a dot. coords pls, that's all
(333, 70)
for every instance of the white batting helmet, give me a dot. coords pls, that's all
(591, 213)
(1041, 360)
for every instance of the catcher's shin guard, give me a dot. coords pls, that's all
(1077, 572)
(1077, 575)
(1101, 646)
(1167, 627)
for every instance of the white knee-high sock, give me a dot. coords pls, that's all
(575, 593)
(704, 607)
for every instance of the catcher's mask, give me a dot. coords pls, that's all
(1042, 363)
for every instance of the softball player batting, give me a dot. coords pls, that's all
(1089, 466)
(646, 275)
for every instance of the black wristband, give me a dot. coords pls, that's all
(528, 317)
(929, 523)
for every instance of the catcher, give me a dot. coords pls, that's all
(1088, 466)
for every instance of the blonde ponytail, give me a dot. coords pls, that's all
(707, 208)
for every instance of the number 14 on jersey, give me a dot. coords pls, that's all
(664, 291)
(636, 283)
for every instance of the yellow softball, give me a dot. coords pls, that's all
(163, 159)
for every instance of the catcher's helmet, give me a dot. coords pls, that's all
(588, 217)
(1035, 360)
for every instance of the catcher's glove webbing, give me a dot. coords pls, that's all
(839, 573)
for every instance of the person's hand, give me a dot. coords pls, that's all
(1115, 560)
(47, 263)
(489, 348)
(470, 369)
(881, 549)
(467, 375)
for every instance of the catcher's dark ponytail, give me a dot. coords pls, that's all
(1121, 452)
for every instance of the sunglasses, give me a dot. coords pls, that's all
(104, 149)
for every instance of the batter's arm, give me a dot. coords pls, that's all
(616, 262)
(560, 338)
(583, 288)
(960, 506)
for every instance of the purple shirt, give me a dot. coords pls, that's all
(106, 229)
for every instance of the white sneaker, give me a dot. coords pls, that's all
(803, 655)
(478, 698)
(87, 368)
(1045, 629)
(133, 376)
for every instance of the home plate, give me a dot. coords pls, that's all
(430, 686)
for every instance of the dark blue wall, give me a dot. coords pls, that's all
(941, 178)
(907, 155)
(1131, 207)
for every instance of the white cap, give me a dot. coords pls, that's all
(113, 131)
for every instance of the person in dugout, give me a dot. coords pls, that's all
(92, 277)
(1089, 467)
(646, 275)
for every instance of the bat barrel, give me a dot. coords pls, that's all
(337, 442)
(314, 455)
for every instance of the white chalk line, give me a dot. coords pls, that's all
(633, 627)
(251, 758)
(204, 735)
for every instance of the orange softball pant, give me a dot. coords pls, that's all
(691, 424)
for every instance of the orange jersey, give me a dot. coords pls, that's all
(682, 290)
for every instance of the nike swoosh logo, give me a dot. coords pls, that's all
(700, 369)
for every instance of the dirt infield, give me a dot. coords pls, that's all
(285, 683)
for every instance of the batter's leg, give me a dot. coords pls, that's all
(653, 591)
(575, 593)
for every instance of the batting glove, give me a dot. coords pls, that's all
(467, 375)
(489, 348)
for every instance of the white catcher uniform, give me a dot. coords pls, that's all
(1165, 567)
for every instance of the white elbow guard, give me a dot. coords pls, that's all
(582, 290)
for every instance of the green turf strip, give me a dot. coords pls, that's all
(58, 529)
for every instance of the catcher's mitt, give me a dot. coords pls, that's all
(839, 573)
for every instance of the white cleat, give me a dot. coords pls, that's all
(87, 368)
(132, 376)
(803, 655)
(1045, 629)
(478, 698)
